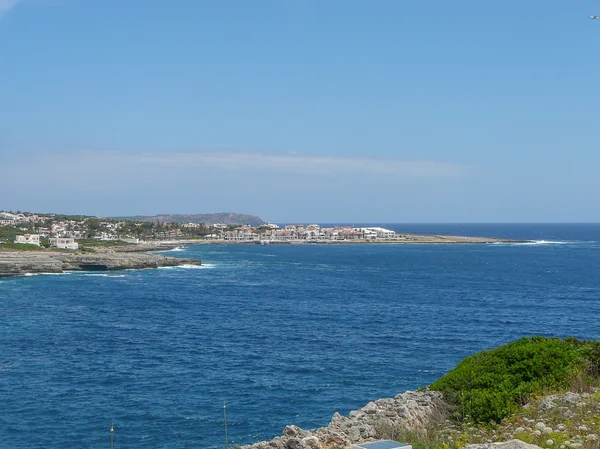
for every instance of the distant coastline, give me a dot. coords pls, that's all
(17, 262)
(406, 239)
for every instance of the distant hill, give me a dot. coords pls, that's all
(224, 217)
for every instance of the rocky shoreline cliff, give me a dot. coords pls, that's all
(412, 409)
(536, 390)
(18, 263)
(556, 421)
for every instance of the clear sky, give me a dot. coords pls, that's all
(302, 110)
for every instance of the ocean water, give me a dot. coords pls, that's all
(283, 334)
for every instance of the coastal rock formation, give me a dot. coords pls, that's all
(512, 444)
(15, 263)
(412, 409)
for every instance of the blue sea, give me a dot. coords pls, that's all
(282, 334)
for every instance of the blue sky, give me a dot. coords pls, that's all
(302, 110)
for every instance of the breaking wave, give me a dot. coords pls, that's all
(535, 242)
(189, 267)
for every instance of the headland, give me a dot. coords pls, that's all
(18, 263)
(533, 393)
(50, 243)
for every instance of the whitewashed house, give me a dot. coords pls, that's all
(64, 243)
(29, 239)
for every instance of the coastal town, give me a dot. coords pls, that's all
(21, 230)
(65, 232)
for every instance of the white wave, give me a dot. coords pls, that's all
(47, 274)
(104, 275)
(197, 267)
(189, 267)
(176, 249)
(533, 242)
(545, 242)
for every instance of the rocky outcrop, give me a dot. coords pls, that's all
(413, 409)
(512, 444)
(15, 263)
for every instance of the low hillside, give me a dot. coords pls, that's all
(229, 218)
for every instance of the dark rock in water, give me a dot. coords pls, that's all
(93, 267)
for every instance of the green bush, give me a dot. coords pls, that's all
(490, 385)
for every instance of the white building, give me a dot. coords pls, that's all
(29, 239)
(133, 240)
(269, 225)
(377, 232)
(64, 243)
(192, 225)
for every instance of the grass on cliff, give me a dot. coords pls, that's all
(491, 385)
(101, 243)
(20, 247)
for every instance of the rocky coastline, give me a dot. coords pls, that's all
(412, 409)
(556, 421)
(19, 263)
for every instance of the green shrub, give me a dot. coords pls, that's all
(490, 385)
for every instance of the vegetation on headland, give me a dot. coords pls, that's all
(491, 385)
(229, 218)
(93, 231)
(543, 391)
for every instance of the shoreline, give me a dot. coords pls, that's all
(407, 239)
(21, 263)
(143, 255)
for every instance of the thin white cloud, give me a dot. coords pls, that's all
(6, 5)
(114, 166)
(288, 163)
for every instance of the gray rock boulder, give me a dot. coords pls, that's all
(512, 444)
(412, 410)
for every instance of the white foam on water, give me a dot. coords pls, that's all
(176, 249)
(104, 275)
(189, 267)
(534, 242)
(196, 267)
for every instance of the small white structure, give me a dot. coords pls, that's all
(29, 239)
(64, 243)
(130, 240)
